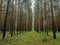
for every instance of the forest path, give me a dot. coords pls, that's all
(31, 38)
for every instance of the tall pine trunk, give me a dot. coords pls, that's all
(53, 25)
(5, 21)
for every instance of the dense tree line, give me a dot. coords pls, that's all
(16, 16)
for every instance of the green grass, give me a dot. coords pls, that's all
(32, 38)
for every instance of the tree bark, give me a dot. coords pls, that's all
(53, 25)
(5, 21)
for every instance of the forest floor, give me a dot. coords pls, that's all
(32, 38)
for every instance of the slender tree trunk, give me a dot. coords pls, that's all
(41, 18)
(5, 21)
(53, 25)
(58, 18)
(1, 16)
(46, 30)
